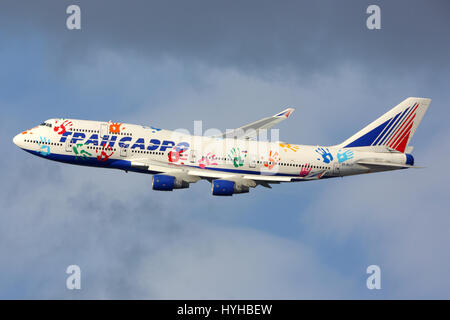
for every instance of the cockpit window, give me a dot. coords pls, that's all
(46, 124)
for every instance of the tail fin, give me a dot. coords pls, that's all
(394, 129)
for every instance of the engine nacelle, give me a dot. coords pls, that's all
(163, 182)
(221, 187)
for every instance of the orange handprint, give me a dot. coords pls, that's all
(287, 146)
(274, 157)
(115, 127)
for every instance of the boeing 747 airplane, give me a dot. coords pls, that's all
(232, 162)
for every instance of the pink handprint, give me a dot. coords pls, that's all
(305, 170)
(208, 160)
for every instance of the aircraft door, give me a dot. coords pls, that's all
(252, 161)
(251, 151)
(104, 130)
(124, 151)
(68, 144)
(193, 156)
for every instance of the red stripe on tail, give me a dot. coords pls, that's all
(402, 146)
(402, 126)
(402, 132)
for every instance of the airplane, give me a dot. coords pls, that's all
(233, 162)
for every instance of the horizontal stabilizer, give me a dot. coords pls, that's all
(385, 165)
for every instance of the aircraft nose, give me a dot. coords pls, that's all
(17, 139)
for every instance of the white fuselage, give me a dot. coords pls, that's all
(125, 146)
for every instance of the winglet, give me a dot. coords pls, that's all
(285, 113)
(251, 130)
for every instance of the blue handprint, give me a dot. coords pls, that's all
(44, 149)
(325, 153)
(344, 155)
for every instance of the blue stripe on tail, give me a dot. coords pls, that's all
(385, 132)
(394, 126)
(369, 137)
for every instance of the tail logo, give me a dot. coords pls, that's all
(393, 133)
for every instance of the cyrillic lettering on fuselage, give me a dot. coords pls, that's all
(150, 144)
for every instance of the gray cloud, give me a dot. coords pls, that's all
(257, 36)
(170, 63)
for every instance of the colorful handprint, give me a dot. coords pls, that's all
(325, 153)
(236, 156)
(274, 158)
(79, 152)
(208, 160)
(177, 155)
(62, 128)
(344, 155)
(305, 170)
(114, 127)
(44, 148)
(287, 147)
(103, 155)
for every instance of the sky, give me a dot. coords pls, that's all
(168, 63)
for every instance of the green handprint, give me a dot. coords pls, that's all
(82, 154)
(235, 155)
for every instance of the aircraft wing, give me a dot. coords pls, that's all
(251, 130)
(194, 174)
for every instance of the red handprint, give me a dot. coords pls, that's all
(176, 155)
(104, 156)
(305, 170)
(62, 128)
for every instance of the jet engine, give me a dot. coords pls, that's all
(221, 187)
(163, 182)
